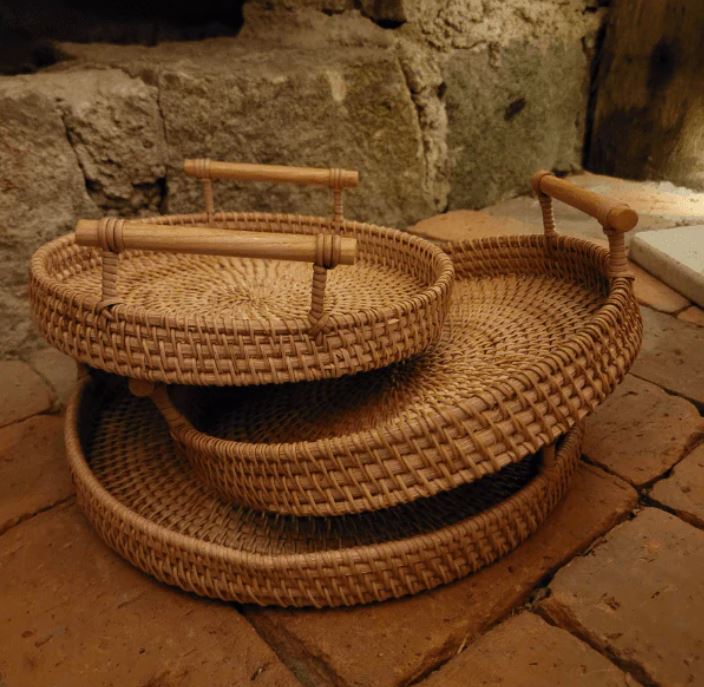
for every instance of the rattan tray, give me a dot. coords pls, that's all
(540, 330)
(195, 317)
(141, 496)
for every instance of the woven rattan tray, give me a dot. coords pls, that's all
(539, 332)
(167, 302)
(141, 496)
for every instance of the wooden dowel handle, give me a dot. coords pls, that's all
(613, 216)
(322, 249)
(213, 169)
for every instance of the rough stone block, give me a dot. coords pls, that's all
(24, 392)
(114, 125)
(499, 103)
(683, 491)
(73, 614)
(527, 652)
(672, 355)
(394, 643)
(42, 190)
(229, 99)
(638, 598)
(33, 471)
(640, 432)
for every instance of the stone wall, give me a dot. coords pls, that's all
(438, 104)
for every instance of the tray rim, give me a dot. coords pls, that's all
(233, 325)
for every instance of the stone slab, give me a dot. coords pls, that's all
(525, 651)
(672, 355)
(659, 204)
(639, 597)
(683, 490)
(693, 315)
(641, 431)
(462, 225)
(33, 471)
(58, 369)
(73, 614)
(24, 392)
(394, 643)
(674, 255)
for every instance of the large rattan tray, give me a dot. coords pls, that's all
(141, 496)
(539, 332)
(186, 311)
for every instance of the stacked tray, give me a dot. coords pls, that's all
(337, 434)
(142, 497)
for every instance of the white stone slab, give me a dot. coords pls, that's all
(676, 256)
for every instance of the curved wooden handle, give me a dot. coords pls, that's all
(118, 235)
(612, 215)
(212, 169)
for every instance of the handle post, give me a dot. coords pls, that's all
(335, 179)
(615, 218)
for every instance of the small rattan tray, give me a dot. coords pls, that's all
(169, 302)
(141, 496)
(540, 330)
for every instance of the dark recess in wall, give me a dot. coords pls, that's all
(28, 30)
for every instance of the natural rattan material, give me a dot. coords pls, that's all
(214, 320)
(537, 335)
(141, 496)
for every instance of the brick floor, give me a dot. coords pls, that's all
(24, 392)
(641, 431)
(693, 315)
(73, 613)
(672, 355)
(58, 370)
(33, 471)
(401, 640)
(639, 597)
(683, 491)
(525, 651)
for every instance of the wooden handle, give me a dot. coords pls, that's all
(119, 235)
(212, 169)
(613, 216)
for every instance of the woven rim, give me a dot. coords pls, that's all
(430, 444)
(347, 575)
(157, 345)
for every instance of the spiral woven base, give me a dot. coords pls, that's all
(213, 320)
(142, 498)
(537, 335)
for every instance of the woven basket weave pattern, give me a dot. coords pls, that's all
(142, 498)
(537, 336)
(217, 321)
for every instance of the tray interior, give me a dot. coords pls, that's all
(128, 448)
(497, 327)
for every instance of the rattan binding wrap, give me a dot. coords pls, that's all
(141, 497)
(537, 335)
(213, 320)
